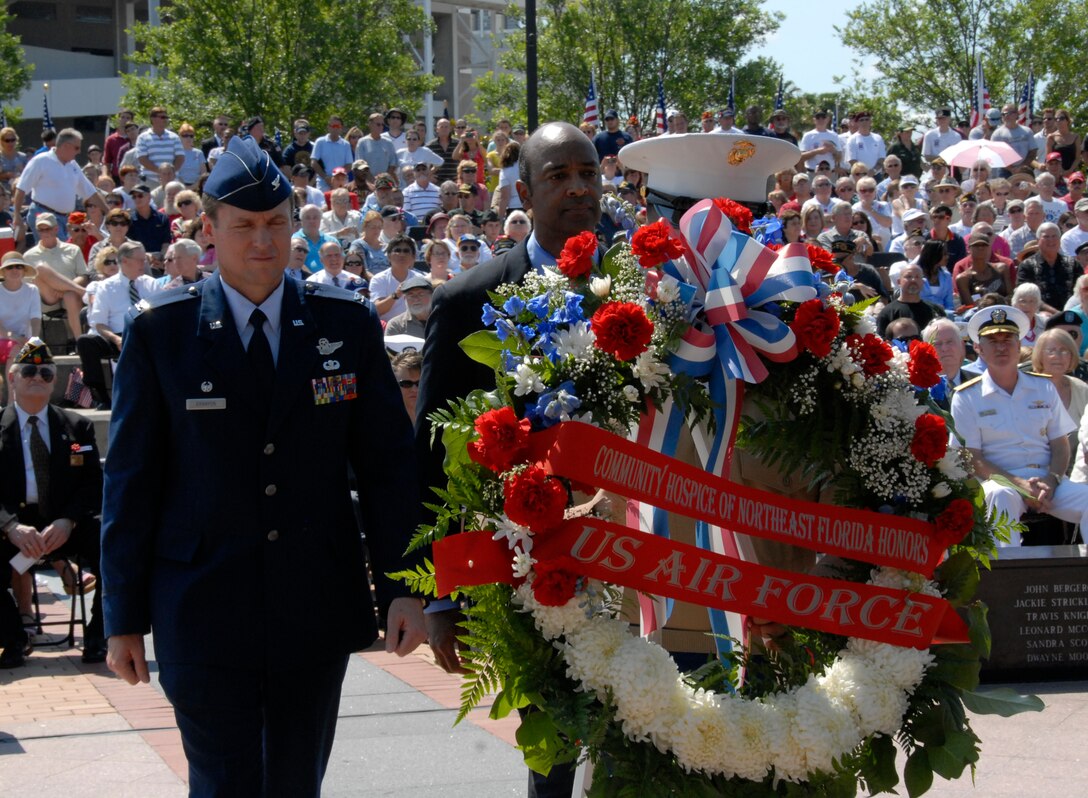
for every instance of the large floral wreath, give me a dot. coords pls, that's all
(820, 714)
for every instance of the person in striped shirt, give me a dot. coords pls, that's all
(422, 196)
(157, 146)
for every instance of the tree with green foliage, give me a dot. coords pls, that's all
(15, 72)
(925, 52)
(628, 45)
(278, 58)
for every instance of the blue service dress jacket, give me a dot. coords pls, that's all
(233, 540)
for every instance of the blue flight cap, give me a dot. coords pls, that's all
(245, 177)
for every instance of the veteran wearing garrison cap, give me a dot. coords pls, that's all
(228, 527)
(1016, 426)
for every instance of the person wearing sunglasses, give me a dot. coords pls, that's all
(195, 164)
(12, 161)
(385, 287)
(20, 304)
(417, 292)
(406, 367)
(50, 495)
(106, 264)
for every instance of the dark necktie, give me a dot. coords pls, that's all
(259, 356)
(39, 456)
(133, 294)
(336, 280)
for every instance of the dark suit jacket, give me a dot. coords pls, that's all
(75, 480)
(448, 373)
(227, 537)
(208, 145)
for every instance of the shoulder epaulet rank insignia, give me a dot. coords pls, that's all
(167, 298)
(332, 292)
(969, 383)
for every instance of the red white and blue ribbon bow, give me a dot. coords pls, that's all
(735, 278)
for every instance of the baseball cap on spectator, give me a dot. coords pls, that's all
(416, 281)
(360, 166)
(45, 220)
(707, 115)
(1076, 177)
(842, 248)
(1054, 156)
(340, 170)
(943, 112)
(1066, 317)
(980, 238)
(395, 112)
(819, 113)
(303, 127)
(467, 238)
(465, 190)
(391, 212)
(908, 180)
(912, 214)
(993, 115)
(490, 215)
(1081, 205)
(77, 217)
(1083, 245)
(302, 169)
(967, 197)
(143, 188)
(422, 167)
(939, 161)
(94, 148)
(611, 114)
(625, 186)
(502, 243)
(1015, 205)
(518, 129)
(633, 120)
(383, 181)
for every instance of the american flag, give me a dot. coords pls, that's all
(780, 97)
(279, 139)
(980, 97)
(3, 118)
(835, 116)
(659, 111)
(731, 100)
(591, 114)
(47, 120)
(76, 392)
(1027, 100)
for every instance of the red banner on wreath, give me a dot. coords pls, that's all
(618, 555)
(592, 456)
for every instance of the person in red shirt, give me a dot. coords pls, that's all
(115, 141)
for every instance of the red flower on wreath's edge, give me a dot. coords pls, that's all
(534, 500)
(576, 259)
(815, 327)
(924, 368)
(955, 522)
(654, 244)
(820, 258)
(503, 440)
(740, 216)
(622, 329)
(555, 581)
(871, 352)
(930, 440)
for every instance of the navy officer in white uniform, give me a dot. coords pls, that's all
(1016, 426)
(228, 526)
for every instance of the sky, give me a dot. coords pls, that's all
(803, 32)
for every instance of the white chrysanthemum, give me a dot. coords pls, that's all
(553, 622)
(523, 564)
(575, 341)
(589, 652)
(748, 753)
(865, 325)
(857, 379)
(951, 466)
(825, 727)
(601, 286)
(703, 736)
(783, 749)
(650, 371)
(880, 707)
(630, 393)
(526, 380)
(940, 490)
(513, 534)
(645, 679)
(668, 289)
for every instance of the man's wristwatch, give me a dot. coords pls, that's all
(1057, 478)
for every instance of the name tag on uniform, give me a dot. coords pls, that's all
(1039, 404)
(336, 388)
(987, 413)
(205, 404)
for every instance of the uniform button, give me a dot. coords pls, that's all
(270, 490)
(274, 535)
(269, 448)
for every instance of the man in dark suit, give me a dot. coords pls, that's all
(219, 128)
(228, 527)
(50, 491)
(560, 182)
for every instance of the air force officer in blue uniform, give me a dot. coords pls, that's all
(228, 529)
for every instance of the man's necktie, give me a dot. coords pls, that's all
(336, 280)
(39, 456)
(259, 356)
(133, 294)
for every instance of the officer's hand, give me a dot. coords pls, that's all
(405, 628)
(28, 540)
(126, 658)
(56, 534)
(442, 631)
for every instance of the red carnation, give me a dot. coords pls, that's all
(955, 522)
(622, 329)
(871, 352)
(655, 244)
(930, 439)
(576, 259)
(534, 499)
(815, 327)
(554, 581)
(740, 216)
(924, 368)
(820, 258)
(503, 440)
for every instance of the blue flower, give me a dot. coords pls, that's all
(504, 328)
(510, 361)
(554, 406)
(939, 392)
(514, 305)
(538, 305)
(490, 315)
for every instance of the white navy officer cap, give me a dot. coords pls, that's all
(245, 177)
(998, 319)
(697, 166)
